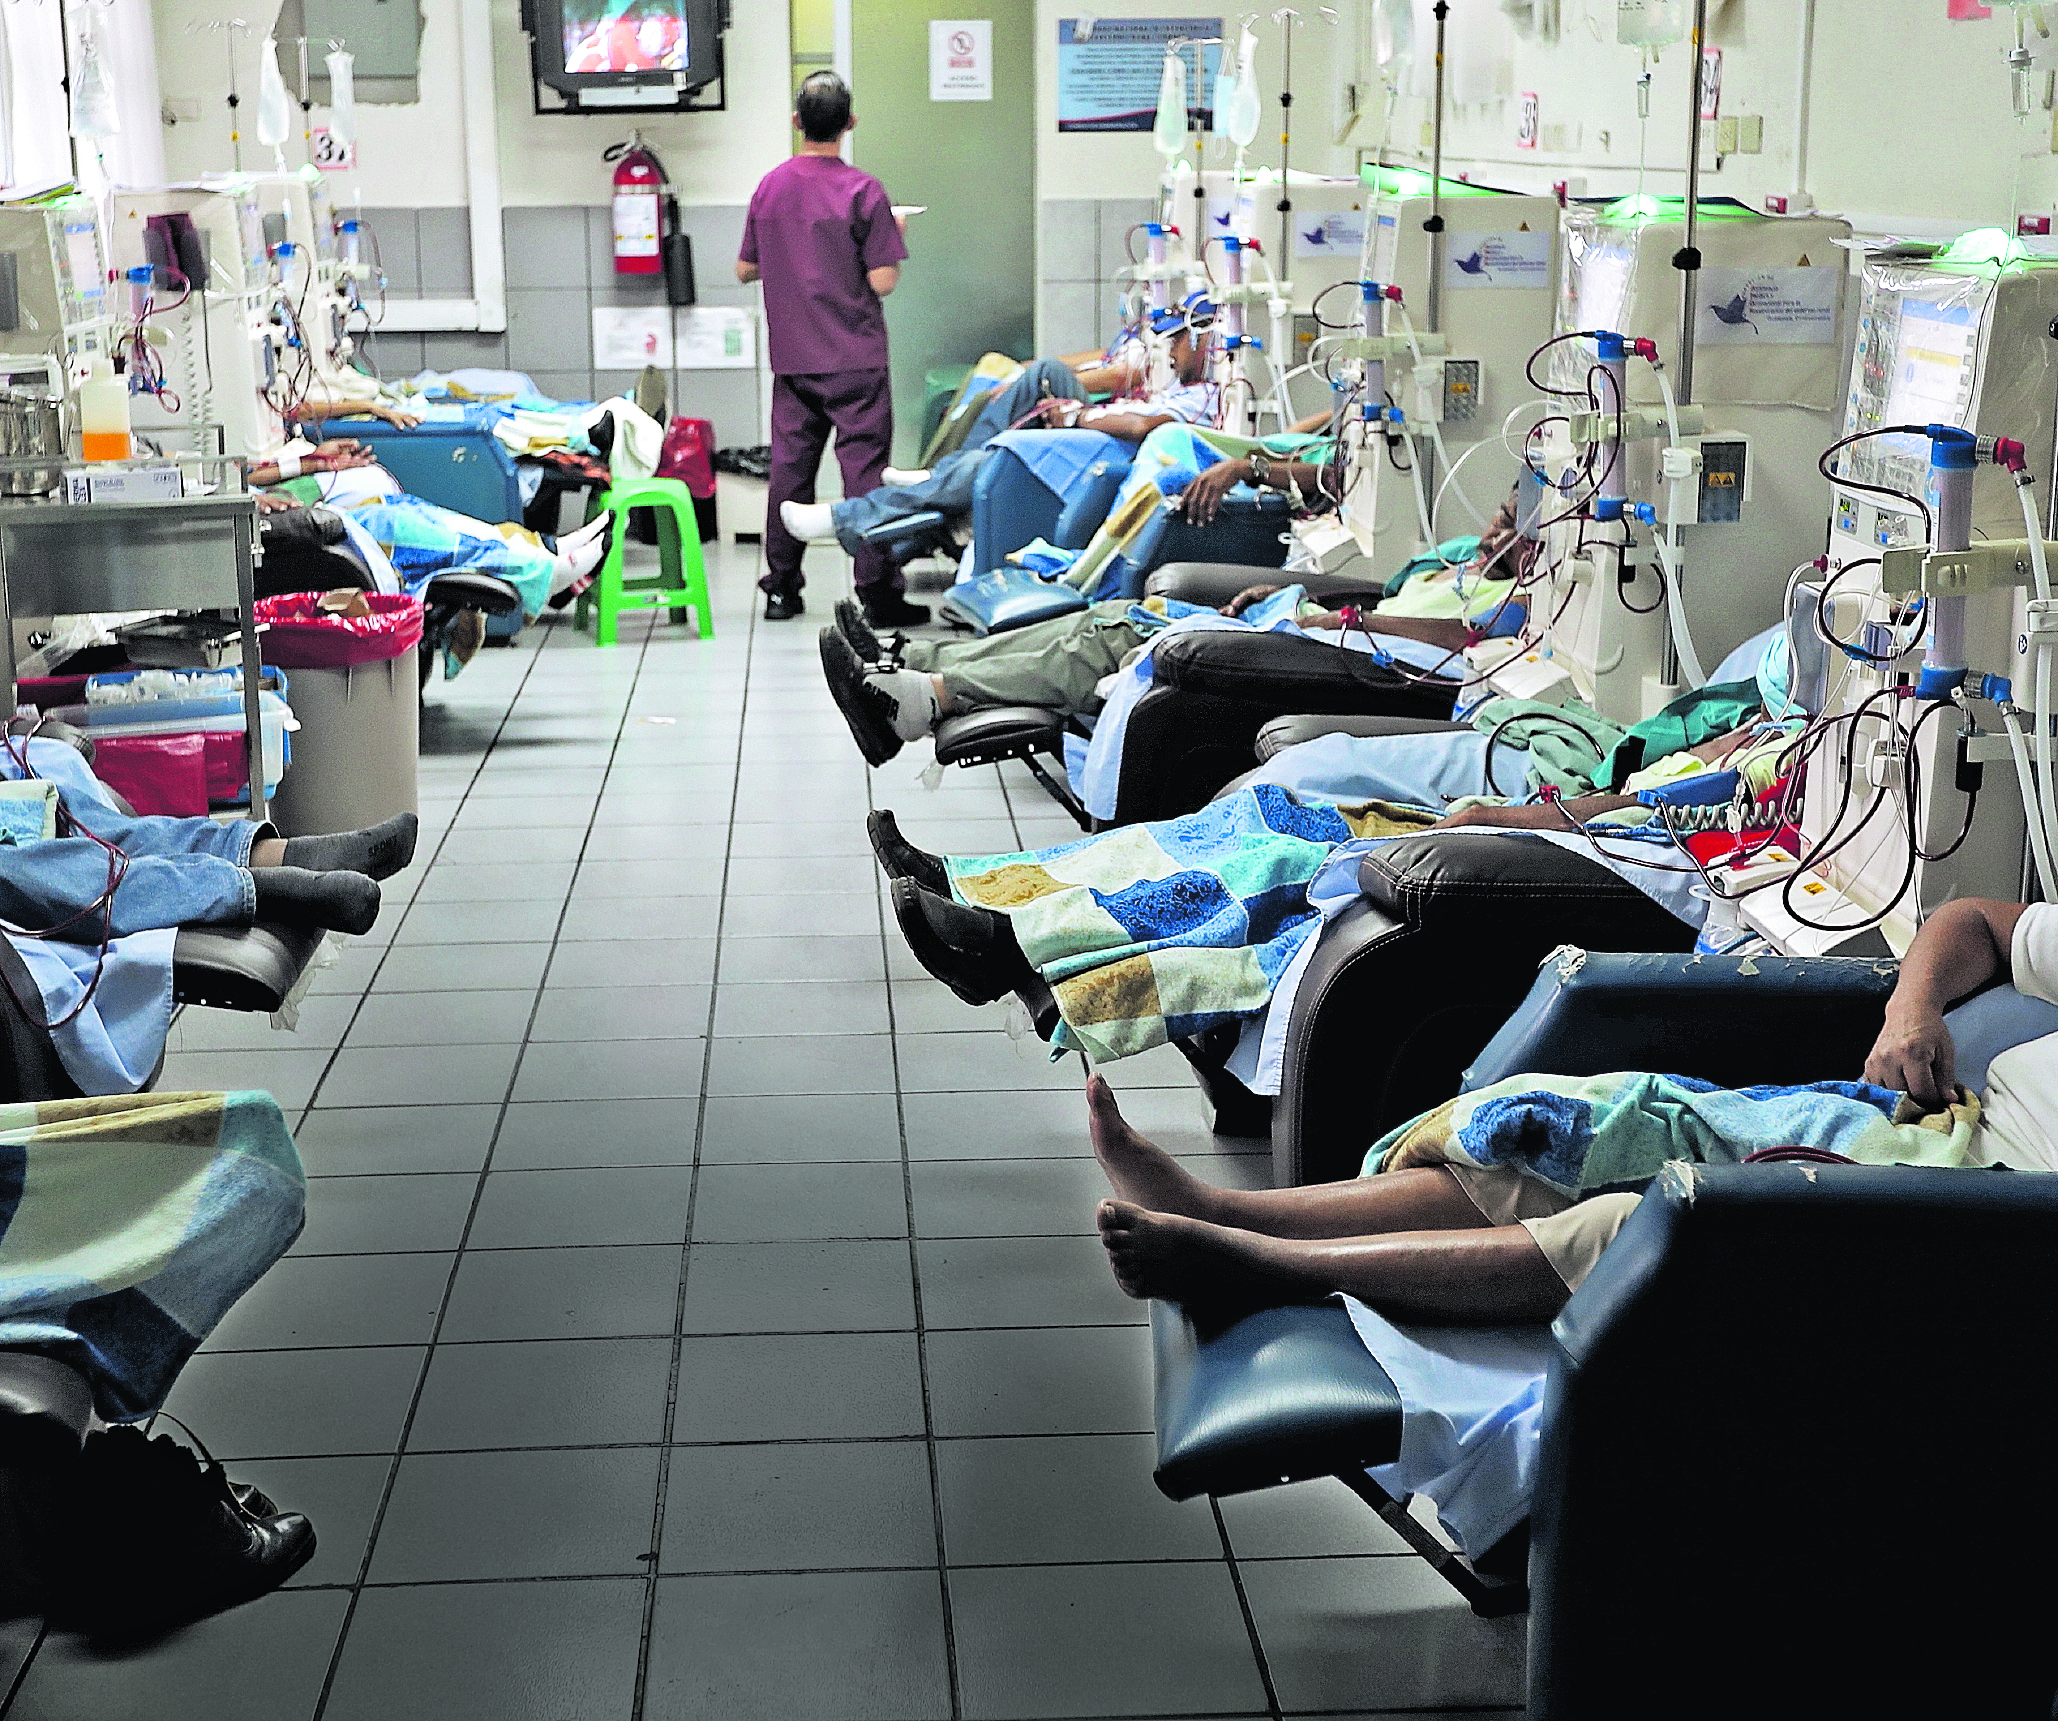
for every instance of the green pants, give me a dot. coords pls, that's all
(1056, 664)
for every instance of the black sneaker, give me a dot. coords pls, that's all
(971, 950)
(850, 622)
(899, 858)
(868, 712)
(784, 606)
(156, 1535)
(890, 609)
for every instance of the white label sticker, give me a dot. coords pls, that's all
(1769, 307)
(1340, 233)
(1479, 260)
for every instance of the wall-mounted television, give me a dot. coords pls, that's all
(607, 55)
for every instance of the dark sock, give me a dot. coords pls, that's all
(342, 901)
(379, 852)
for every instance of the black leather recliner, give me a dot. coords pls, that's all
(1211, 695)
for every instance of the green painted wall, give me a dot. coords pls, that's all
(969, 285)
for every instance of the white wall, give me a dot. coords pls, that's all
(414, 156)
(1912, 124)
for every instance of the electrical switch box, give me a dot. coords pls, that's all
(1725, 480)
(1446, 391)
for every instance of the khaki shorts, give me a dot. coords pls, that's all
(1571, 1234)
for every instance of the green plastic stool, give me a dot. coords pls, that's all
(681, 580)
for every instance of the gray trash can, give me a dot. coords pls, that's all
(354, 753)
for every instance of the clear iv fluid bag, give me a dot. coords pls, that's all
(1242, 125)
(1393, 35)
(1650, 23)
(1169, 134)
(274, 106)
(342, 95)
(1225, 95)
(93, 109)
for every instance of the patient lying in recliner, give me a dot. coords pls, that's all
(1496, 1205)
(894, 693)
(1047, 392)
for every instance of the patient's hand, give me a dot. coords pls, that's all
(1248, 596)
(1204, 496)
(276, 504)
(340, 454)
(1914, 1054)
(400, 417)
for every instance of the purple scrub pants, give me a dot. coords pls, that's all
(858, 406)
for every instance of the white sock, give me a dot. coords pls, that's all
(905, 475)
(579, 555)
(810, 522)
(913, 697)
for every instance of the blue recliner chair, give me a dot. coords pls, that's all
(1736, 1395)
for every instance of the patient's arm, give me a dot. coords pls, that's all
(1129, 426)
(315, 408)
(1959, 949)
(1544, 816)
(1451, 634)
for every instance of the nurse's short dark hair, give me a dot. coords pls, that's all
(823, 107)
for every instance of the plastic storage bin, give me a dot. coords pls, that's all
(185, 702)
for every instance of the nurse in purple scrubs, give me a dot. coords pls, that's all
(822, 238)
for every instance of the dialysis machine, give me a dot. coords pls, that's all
(223, 345)
(55, 319)
(318, 284)
(1489, 310)
(1671, 530)
(1929, 591)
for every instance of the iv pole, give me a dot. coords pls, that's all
(1687, 260)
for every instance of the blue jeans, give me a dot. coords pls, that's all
(181, 872)
(948, 488)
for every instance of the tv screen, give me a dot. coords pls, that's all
(626, 36)
(617, 53)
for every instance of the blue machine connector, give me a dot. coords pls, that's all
(1997, 688)
(1611, 508)
(1711, 788)
(1935, 683)
(1609, 345)
(1952, 449)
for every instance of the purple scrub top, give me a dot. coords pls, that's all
(816, 226)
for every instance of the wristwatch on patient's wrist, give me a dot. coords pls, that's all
(1259, 468)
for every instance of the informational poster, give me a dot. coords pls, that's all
(1769, 307)
(1109, 71)
(628, 337)
(717, 337)
(1335, 233)
(1474, 261)
(961, 59)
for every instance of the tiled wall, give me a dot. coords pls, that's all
(560, 264)
(1082, 248)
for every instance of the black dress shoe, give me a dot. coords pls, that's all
(154, 1536)
(971, 950)
(899, 858)
(784, 606)
(890, 609)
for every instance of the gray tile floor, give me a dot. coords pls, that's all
(698, 1313)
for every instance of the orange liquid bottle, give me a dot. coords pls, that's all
(104, 414)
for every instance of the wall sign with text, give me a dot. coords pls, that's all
(1109, 70)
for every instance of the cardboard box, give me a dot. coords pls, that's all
(123, 484)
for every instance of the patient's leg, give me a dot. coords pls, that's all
(1497, 1273)
(1424, 1199)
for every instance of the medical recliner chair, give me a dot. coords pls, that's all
(251, 968)
(1061, 485)
(1212, 693)
(1795, 1424)
(308, 551)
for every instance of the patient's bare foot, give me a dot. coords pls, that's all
(1140, 1170)
(1188, 1260)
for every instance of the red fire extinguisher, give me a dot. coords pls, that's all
(638, 199)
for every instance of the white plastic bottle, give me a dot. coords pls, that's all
(104, 413)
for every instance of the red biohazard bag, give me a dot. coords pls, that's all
(689, 455)
(319, 630)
